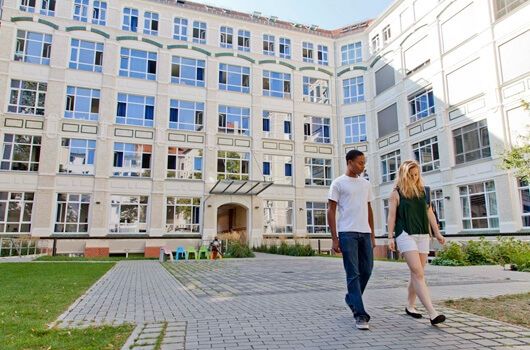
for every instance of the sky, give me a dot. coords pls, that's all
(327, 14)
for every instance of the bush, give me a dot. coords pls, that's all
(237, 250)
(512, 251)
(452, 251)
(446, 262)
(296, 249)
(479, 252)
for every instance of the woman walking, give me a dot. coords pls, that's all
(411, 218)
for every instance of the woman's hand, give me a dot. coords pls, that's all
(440, 239)
(391, 244)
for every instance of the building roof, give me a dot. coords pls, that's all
(256, 17)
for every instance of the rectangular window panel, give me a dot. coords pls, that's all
(81, 10)
(21, 152)
(130, 19)
(316, 90)
(456, 30)
(471, 142)
(317, 129)
(183, 215)
(33, 47)
(187, 71)
(524, 191)
(390, 163)
(82, 103)
(276, 84)
(234, 120)
(387, 120)
(384, 78)
(479, 206)
(128, 214)
(72, 213)
(186, 115)
(318, 172)
(180, 29)
(184, 163)
(353, 90)
(268, 44)
(351, 53)
(15, 212)
(438, 204)
(274, 169)
(138, 64)
(27, 97)
(226, 39)
(317, 219)
(27, 5)
(322, 55)
(132, 160)
(515, 57)
(355, 129)
(99, 13)
(427, 155)
(465, 82)
(504, 7)
(421, 105)
(135, 110)
(77, 156)
(278, 217)
(285, 48)
(151, 23)
(199, 32)
(274, 125)
(307, 52)
(86, 55)
(233, 165)
(234, 78)
(243, 40)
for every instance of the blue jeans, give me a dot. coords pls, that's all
(358, 259)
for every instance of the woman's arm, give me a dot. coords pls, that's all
(391, 220)
(434, 225)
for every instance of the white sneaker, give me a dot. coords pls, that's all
(362, 323)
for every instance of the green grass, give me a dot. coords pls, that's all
(102, 258)
(34, 295)
(507, 308)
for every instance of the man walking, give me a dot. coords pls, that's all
(352, 194)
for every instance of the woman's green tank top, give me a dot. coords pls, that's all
(411, 216)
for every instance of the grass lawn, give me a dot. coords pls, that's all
(507, 308)
(82, 258)
(34, 295)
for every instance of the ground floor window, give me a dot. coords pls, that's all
(15, 211)
(128, 214)
(278, 217)
(183, 215)
(479, 206)
(72, 212)
(524, 190)
(437, 202)
(317, 221)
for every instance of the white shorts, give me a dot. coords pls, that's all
(408, 243)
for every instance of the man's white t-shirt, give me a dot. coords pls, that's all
(352, 195)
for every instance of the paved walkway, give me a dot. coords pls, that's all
(275, 302)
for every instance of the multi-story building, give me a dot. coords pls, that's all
(131, 125)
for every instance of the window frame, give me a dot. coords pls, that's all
(88, 167)
(77, 93)
(317, 129)
(22, 200)
(79, 48)
(351, 86)
(356, 123)
(314, 166)
(481, 128)
(31, 162)
(26, 41)
(140, 202)
(228, 113)
(466, 191)
(20, 94)
(131, 102)
(223, 157)
(181, 156)
(311, 227)
(389, 173)
(194, 225)
(429, 145)
(271, 79)
(128, 156)
(181, 105)
(69, 202)
(232, 73)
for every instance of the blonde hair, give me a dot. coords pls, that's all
(406, 184)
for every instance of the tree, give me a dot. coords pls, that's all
(518, 157)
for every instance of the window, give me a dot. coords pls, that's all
(278, 169)
(351, 53)
(387, 120)
(307, 52)
(82, 103)
(81, 10)
(151, 23)
(426, 153)
(285, 48)
(465, 83)
(318, 172)
(15, 211)
(316, 90)
(132, 160)
(277, 217)
(180, 29)
(187, 71)
(130, 19)
(375, 43)
(138, 64)
(514, 57)
(243, 40)
(276, 84)
(27, 6)
(227, 37)
(234, 78)
(355, 129)
(390, 163)
(72, 212)
(186, 115)
(437, 202)
(76, 156)
(128, 214)
(27, 97)
(86, 55)
(322, 55)
(183, 215)
(479, 206)
(199, 32)
(472, 142)
(268, 44)
(184, 163)
(135, 110)
(33, 47)
(421, 105)
(524, 190)
(99, 13)
(48, 7)
(234, 120)
(503, 7)
(384, 79)
(277, 125)
(21, 153)
(353, 89)
(233, 165)
(386, 34)
(317, 220)
(317, 129)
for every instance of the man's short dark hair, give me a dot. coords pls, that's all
(352, 154)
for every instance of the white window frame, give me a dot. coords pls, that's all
(390, 163)
(318, 165)
(142, 205)
(193, 226)
(278, 217)
(13, 141)
(69, 201)
(427, 147)
(321, 207)
(184, 156)
(66, 150)
(19, 88)
(18, 200)
(242, 159)
(490, 202)
(354, 125)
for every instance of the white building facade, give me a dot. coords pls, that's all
(131, 125)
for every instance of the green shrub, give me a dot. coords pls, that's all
(446, 262)
(513, 251)
(479, 252)
(238, 250)
(296, 249)
(452, 251)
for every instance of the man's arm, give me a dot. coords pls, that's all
(332, 222)
(371, 223)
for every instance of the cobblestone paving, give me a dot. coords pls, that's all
(288, 303)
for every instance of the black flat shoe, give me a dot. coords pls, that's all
(413, 314)
(438, 319)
